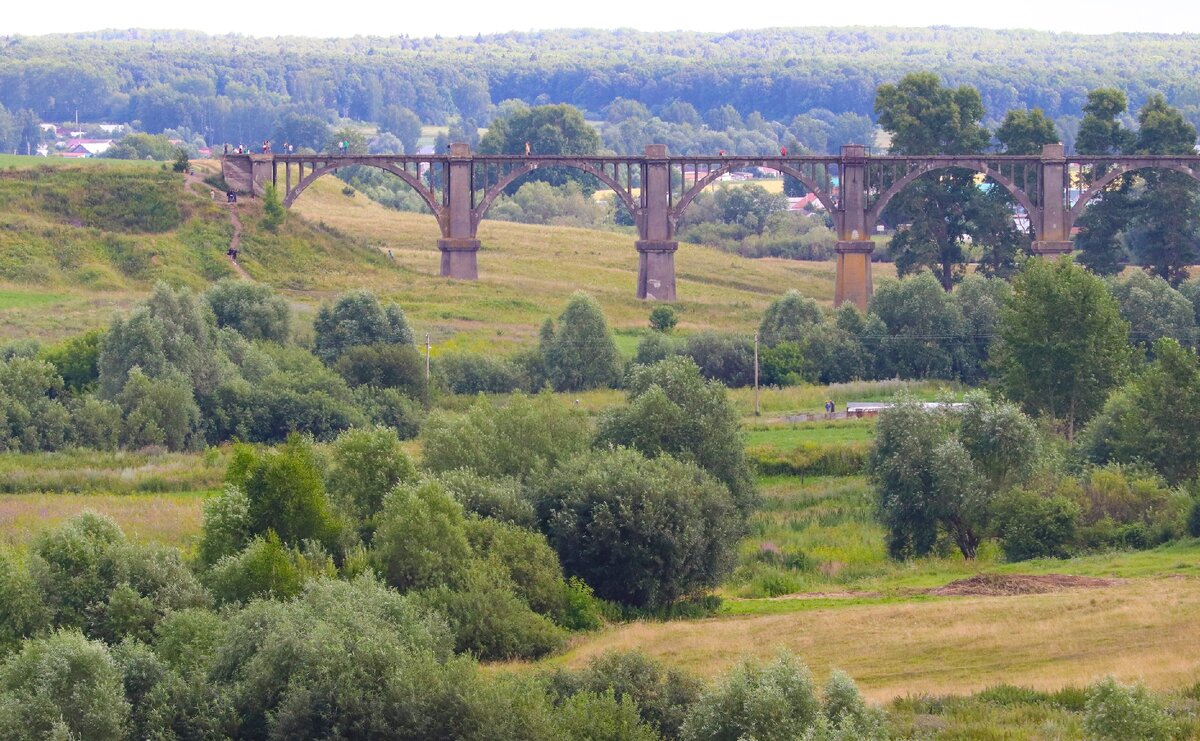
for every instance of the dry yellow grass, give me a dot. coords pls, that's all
(170, 519)
(1141, 630)
(528, 272)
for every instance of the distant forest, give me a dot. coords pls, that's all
(237, 89)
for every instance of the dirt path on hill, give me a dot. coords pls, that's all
(190, 179)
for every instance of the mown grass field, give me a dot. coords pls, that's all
(951, 645)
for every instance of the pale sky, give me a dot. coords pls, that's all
(468, 17)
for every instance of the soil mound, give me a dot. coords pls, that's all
(984, 585)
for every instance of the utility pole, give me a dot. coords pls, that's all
(427, 357)
(756, 412)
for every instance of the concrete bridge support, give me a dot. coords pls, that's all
(1053, 232)
(458, 244)
(853, 281)
(655, 245)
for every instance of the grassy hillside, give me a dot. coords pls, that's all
(79, 241)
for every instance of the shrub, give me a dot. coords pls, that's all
(90, 578)
(846, 713)
(285, 492)
(475, 373)
(253, 309)
(21, 610)
(643, 532)
(654, 347)
(580, 353)
(775, 701)
(420, 537)
(663, 696)
(521, 439)
(1116, 711)
(342, 655)
(366, 464)
(62, 686)
(265, 569)
(726, 358)
(526, 560)
(673, 410)
(385, 366)
(1193, 523)
(357, 318)
(1032, 525)
(77, 359)
(489, 620)
(501, 499)
(226, 529)
(590, 716)
(662, 318)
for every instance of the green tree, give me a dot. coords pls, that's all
(365, 465)
(940, 211)
(253, 309)
(273, 211)
(77, 359)
(1100, 226)
(404, 124)
(922, 325)
(302, 131)
(420, 537)
(1147, 420)
(285, 492)
(62, 686)
(673, 410)
(548, 129)
(1026, 132)
(526, 437)
(1154, 310)
(1061, 343)
(579, 352)
(357, 318)
(789, 318)
(1168, 237)
(938, 471)
(640, 531)
(662, 318)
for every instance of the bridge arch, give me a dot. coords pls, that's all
(426, 194)
(875, 213)
(698, 187)
(1119, 170)
(480, 210)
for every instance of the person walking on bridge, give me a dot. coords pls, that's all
(526, 149)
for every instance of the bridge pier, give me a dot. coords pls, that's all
(458, 245)
(656, 269)
(1053, 233)
(656, 247)
(853, 282)
(459, 258)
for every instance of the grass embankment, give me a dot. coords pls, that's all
(102, 231)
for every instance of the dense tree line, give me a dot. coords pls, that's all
(236, 89)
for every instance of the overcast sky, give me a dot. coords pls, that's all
(468, 17)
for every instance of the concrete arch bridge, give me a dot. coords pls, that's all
(855, 187)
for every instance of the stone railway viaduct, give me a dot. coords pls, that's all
(854, 186)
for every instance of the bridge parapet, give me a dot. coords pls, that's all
(854, 187)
